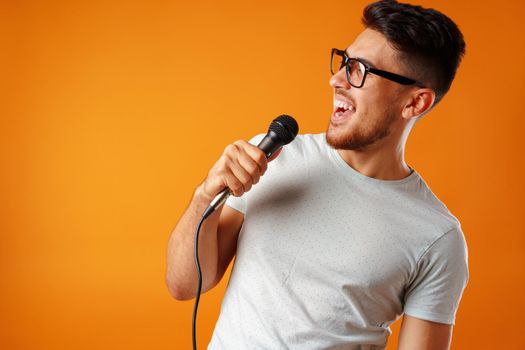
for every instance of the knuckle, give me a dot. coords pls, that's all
(247, 180)
(239, 143)
(260, 157)
(255, 171)
(244, 181)
(237, 188)
(251, 168)
(230, 150)
(223, 165)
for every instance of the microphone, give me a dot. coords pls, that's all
(282, 131)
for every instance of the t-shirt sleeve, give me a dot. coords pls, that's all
(437, 284)
(239, 203)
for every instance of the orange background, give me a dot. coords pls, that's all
(112, 113)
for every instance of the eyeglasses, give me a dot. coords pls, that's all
(356, 70)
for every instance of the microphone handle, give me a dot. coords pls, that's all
(270, 144)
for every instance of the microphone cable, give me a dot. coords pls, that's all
(282, 131)
(199, 284)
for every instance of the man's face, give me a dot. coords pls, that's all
(375, 108)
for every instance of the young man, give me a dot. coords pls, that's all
(340, 237)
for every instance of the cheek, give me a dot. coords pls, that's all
(374, 104)
(369, 103)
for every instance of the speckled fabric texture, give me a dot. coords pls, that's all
(328, 258)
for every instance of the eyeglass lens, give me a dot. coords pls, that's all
(356, 70)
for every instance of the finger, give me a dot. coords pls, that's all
(221, 175)
(255, 153)
(241, 174)
(233, 183)
(251, 167)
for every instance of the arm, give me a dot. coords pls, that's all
(239, 167)
(418, 334)
(434, 293)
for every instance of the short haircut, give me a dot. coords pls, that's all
(429, 44)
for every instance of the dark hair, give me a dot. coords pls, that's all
(430, 44)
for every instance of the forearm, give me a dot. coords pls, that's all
(239, 167)
(181, 276)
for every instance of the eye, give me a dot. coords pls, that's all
(362, 68)
(357, 69)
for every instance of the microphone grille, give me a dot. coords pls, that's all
(285, 127)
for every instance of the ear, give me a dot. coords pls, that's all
(420, 101)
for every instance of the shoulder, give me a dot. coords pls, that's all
(434, 215)
(303, 146)
(451, 245)
(311, 141)
(301, 140)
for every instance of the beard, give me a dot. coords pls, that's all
(362, 137)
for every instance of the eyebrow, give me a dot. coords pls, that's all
(361, 59)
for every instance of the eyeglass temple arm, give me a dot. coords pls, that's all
(395, 77)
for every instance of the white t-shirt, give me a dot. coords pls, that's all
(328, 258)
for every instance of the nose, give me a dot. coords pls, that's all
(339, 80)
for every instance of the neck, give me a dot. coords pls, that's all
(383, 160)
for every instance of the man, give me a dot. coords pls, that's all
(340, 237)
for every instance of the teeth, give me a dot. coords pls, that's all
(341, 104)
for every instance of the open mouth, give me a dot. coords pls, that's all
(342, 107)
(342, 111)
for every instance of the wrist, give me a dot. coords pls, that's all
(201, 195)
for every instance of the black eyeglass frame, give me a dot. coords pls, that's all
(382, 73)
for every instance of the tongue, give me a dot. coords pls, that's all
(340, 109)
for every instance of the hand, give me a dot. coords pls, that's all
(240, 166)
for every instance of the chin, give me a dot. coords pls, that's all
(337, 139)
(349, 140)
